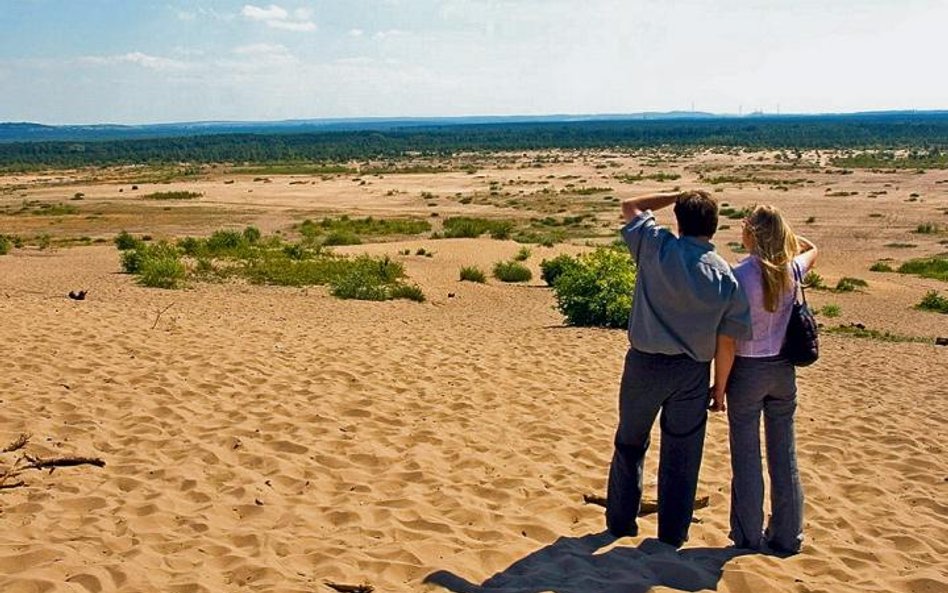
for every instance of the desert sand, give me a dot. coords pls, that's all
(275, 439)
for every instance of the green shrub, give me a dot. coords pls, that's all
(163, 269)
(252, 235)
(930, 267)
(157, 265)
(369, 279)
(813, 280)
(522, 255)
(473, 274)
(597, 289)
(830, 311)
(848, 284)
(934, 302)
(132, 260)
(5, 245)
(880, 266)
(124, 241)
(551, 269)
(511, 271)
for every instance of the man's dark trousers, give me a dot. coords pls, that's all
(678, 386)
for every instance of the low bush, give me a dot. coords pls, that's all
(551, 269)
(830, 311)
(124, 241)
(473, 274)
(813, 280)
(880, 266)
(511, 271)
(848, 284)
(596, 290)
(5, 245)
(522, 255)
(934, 302)
(470, 228)
(157, 266)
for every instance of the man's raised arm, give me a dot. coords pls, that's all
(632, 207)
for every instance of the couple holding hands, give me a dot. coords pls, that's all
(692, 311)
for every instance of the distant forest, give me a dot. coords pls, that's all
(893, 130)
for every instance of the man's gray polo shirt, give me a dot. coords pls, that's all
(685, 293)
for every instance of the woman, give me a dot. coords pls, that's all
(756, 378)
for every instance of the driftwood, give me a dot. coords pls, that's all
(19, 443)
(38, 463)
(13, 485)
(350, 588)
(647, 507)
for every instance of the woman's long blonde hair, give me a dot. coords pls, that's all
(775, 245)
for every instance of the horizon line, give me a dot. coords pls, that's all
(679, 114)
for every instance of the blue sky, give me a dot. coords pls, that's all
(147, 61)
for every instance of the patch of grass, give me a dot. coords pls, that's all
(523, 254)
(736, 213)
(813, 280)
(901, 245)
(858, 330)
(880, 266)
(830, 311)
(341, 237)
(470, 228)
(928, 228)
(849, 284)
(737, 247)
(473, 274)
(511, 271)
(45, 209)
(362, 227)
(934, 302)
(929, 267)
(370, 279)
(173, 195)
(6, 244)
(293, 169)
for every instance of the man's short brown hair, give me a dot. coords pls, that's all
(697, 214)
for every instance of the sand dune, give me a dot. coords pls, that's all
(270, 439)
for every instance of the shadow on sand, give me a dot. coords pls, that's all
(572, 565)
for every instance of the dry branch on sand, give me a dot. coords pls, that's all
(647, 507)
(350, 588)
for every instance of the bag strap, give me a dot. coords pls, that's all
(798, 276)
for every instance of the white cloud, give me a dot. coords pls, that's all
(277, 17)
(271, 13)
(356, 32)
(138, 58)
(388, 34)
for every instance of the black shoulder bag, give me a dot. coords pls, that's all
(801, 346)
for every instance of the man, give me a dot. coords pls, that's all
(685, 297)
